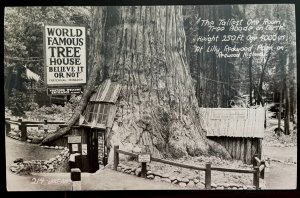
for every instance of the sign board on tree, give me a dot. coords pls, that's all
(65, 55)
(74, 147)
(74, 139)
(144, 158)
(84, 149)
(64, 90)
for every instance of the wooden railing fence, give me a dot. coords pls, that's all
(24, 124)
(259, 167)
(258, 171)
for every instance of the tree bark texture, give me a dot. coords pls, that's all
(147, 55)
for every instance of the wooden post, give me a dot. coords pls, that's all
(45, 126)
(23, 130)
(116, 157)
(144, 170)
(262, 173)
(265, 122)
(76, 179)
(254, 161)
(256, 178)
(208, 176)
(7, 126)
(259, 148)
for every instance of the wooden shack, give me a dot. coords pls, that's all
(87, 140)
(239, 130)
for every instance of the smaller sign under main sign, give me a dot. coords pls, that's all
(64, 91)
(84, 149)
(74, 139)
(74, 147)
(144, 158)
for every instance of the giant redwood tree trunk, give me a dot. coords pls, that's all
(158, 110)
(145, 53)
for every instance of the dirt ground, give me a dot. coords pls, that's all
(102, 180)
(15, 149)
(281, 175)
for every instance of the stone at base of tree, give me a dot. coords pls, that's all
(14, 168)
(200, 185)
(18, 160)
(157, 178)
(196, 181)
(220, 188)
(182, 184)
(166, 180)
(175, 181)
(149, 172)
(138, 172)
(234, 188)
(157, 174)
(29, 140)
(172, 178)
(13, 133)
(185, 180)
(150, 176)
(165, 175)
(132, 173)
(213, 185)
(36, 140)
(119, 169)
(191, 184)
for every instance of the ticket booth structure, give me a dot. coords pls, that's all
(87, 141)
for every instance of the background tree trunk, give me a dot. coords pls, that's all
(250, 80)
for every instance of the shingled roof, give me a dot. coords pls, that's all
(107, 92)
(101, 109)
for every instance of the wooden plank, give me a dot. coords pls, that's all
(232, 170)
(225, 142)
(238, 149)
(242, 146)
(259, 148)
(261, 167)
(231, 145)
(233, 142)
(177, 164)
(128, 153)
(257, 160)
(253, 146)
(248, 151)
(227, 132)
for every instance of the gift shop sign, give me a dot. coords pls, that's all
(65, 55)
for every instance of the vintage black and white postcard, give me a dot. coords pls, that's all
(150, 97)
